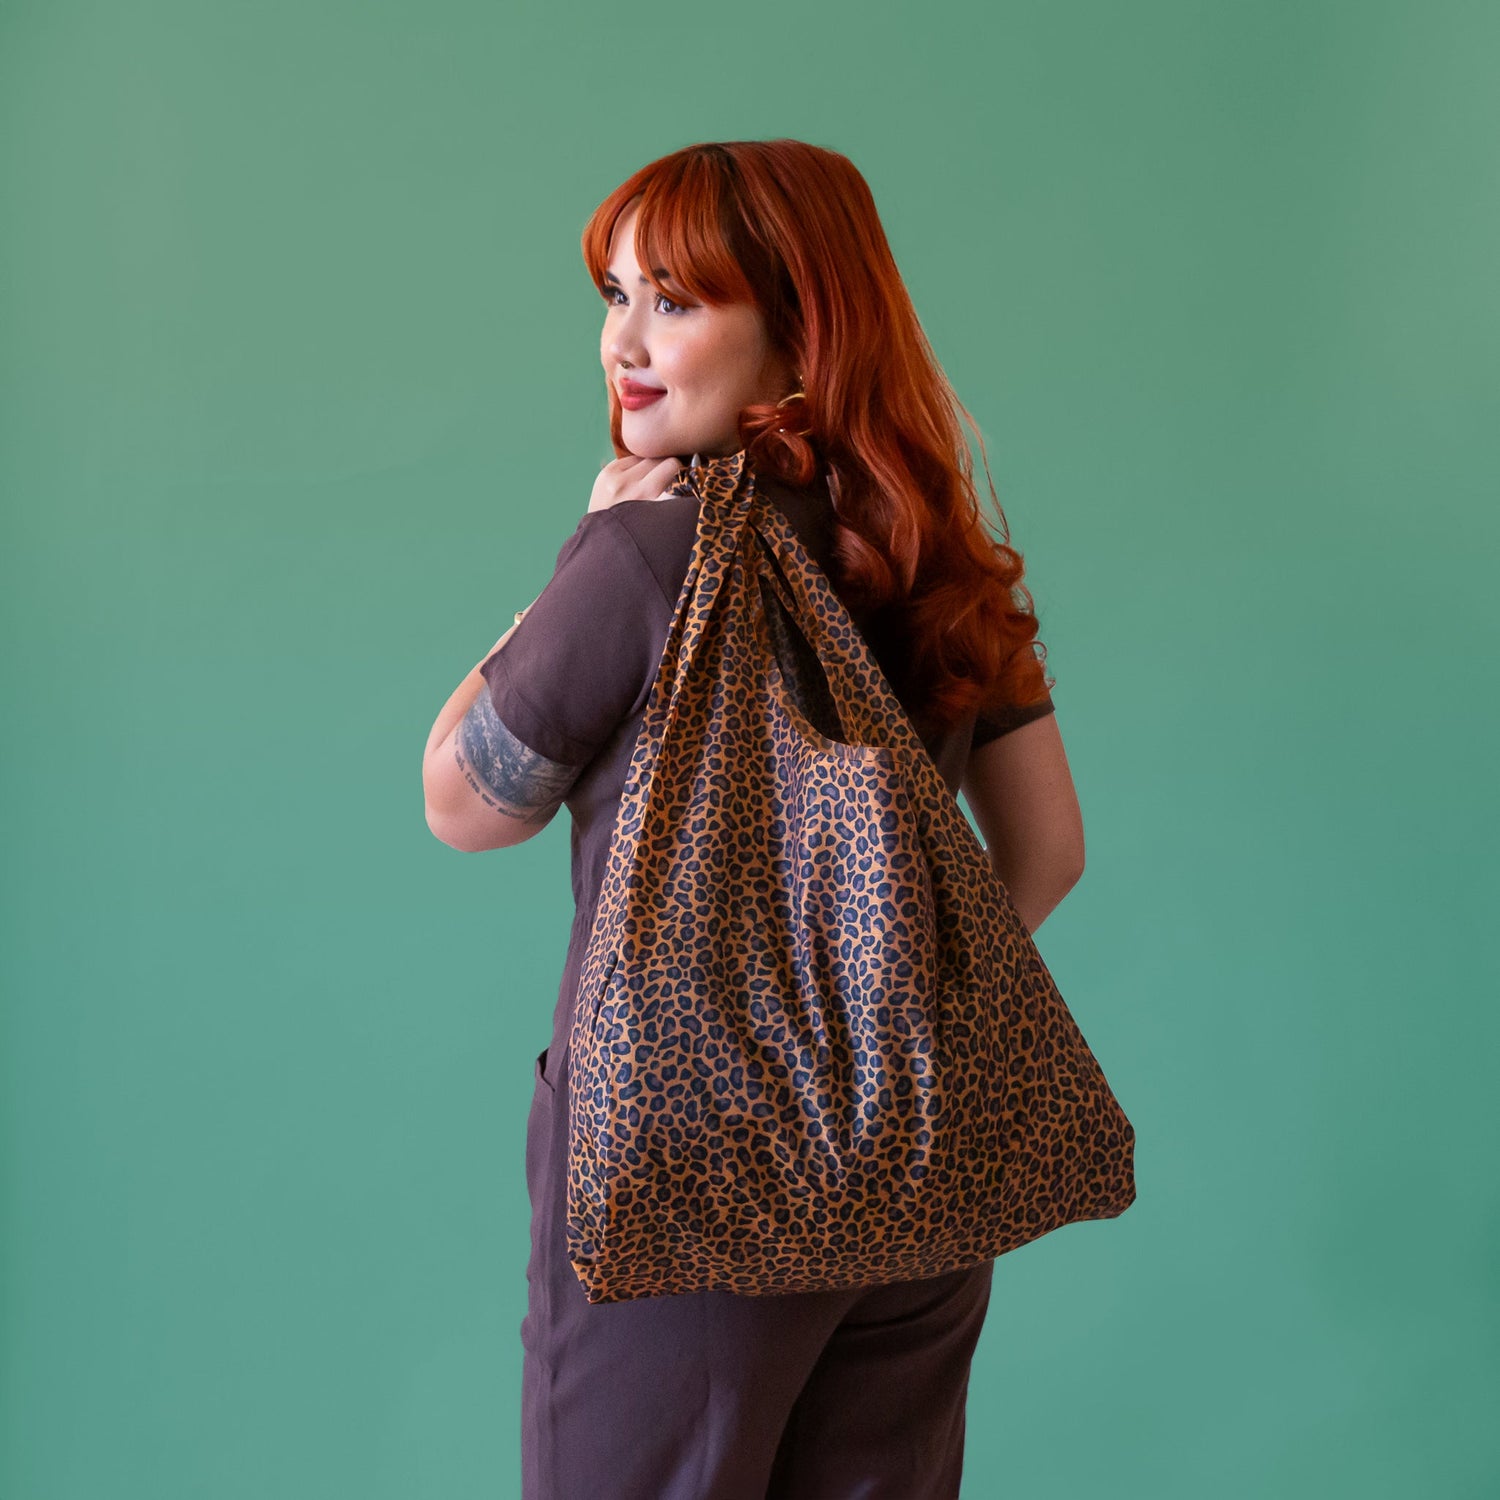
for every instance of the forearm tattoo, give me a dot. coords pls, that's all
(509, 776)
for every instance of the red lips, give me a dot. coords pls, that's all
(634, 395)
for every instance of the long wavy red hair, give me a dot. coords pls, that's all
(792, 228)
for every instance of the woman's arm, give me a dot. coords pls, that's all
(462, 700)
(1022, 795)
(484, 788)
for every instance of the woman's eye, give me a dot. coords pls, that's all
(609, 294)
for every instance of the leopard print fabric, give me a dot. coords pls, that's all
(814, 1045)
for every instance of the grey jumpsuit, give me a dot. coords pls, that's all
(850, 1395)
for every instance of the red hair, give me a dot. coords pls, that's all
(792, 229)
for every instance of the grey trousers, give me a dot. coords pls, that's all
(848, 1395)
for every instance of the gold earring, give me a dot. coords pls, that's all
(798, 395)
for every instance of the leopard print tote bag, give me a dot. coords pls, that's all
(814, 1045)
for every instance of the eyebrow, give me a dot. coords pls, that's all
(660, 272)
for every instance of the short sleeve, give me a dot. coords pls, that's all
(586, 653)
(994, 722)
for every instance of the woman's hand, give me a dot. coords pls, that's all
(633, 478)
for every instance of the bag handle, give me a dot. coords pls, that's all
(868, 707)
(738, 530)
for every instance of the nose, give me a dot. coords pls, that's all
(624, 342)
(621, 350)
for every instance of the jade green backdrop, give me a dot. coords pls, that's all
(300, 397)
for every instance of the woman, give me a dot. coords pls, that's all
(752, 306)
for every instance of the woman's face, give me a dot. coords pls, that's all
(708, 361)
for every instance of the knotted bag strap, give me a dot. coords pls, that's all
(868, 707)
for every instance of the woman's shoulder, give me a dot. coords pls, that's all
(663, 532)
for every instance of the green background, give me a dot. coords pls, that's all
(300, 395)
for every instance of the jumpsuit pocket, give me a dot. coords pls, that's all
(544, 1104)
(539, 1070)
